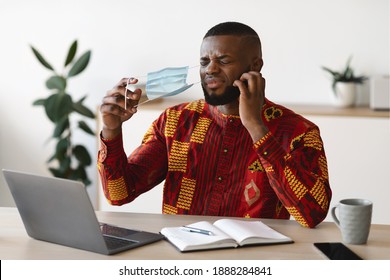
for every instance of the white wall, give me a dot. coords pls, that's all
(358, 152)
(132, 37)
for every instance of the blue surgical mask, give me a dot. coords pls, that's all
(167, 82)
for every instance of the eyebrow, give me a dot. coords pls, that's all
(218, 57)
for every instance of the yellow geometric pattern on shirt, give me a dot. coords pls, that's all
(269, 169)
(169, 209)
(297, 216)
(148, 135)
(200, 130)
(100, 166)
(312, 139)
(272, 113)
(323, 166)
(178, 156)
(262, 140)
(287, 157)
(172, 121)
(117, 189)
(256, 166)
(318, 192)
(196, 106)
(186, 193)
(296, 139)
(296, 186)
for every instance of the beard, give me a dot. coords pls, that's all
(230, 94)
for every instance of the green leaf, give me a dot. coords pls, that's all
(328, 70)
(71, 53)
(80, 64)
(65, 165)
(41, 59)
(56, 82)
(83, 125)
(53, 157)
(39, 102)
(61, 126)
(80, 174)
(58, 105)
(62, 149)
(82, 155)
(81, 109)
(82, 99)
(87, 182)
(57, 173)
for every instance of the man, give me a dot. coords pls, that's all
(233, 154)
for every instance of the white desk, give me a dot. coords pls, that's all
(16, 244)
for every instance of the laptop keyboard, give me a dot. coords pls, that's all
(115, 243)
(116, 231)
(117, 237)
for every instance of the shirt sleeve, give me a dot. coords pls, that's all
(125, 178)
(299, 176)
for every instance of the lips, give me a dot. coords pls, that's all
(213, 83)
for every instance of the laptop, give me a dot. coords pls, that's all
(60, 211)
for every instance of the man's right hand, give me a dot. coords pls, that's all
(113, 107)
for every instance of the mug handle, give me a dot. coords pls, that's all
(333, 213)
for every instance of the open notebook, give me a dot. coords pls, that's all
(224, 233)
(60, 211)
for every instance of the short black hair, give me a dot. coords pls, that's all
(236, 29)
(231, 28)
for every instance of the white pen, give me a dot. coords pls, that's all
(196, 230)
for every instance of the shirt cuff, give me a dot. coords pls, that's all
(114, 147)
(270, 151)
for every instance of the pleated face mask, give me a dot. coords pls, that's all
(165, 82)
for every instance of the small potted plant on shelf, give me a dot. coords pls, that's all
(344, 84)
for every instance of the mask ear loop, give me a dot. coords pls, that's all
(128, 81)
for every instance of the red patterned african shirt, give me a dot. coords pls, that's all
(212, 167)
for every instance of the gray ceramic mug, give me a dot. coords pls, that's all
(354, 219)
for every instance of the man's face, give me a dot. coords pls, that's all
(223, 59)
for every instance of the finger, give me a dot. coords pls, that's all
(114, 104)
(261, 85)
(129, 94)
(264, 83)
(124, 81)
(247, 84)
(132, 99)
(114, 99)
(121, 86)
(242, 86)
(111, 109)
(253, 79)
(118, 90)
(134, 95)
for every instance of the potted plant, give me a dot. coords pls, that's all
(69, 160)
(344, 84)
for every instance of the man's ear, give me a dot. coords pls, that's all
(257, 64)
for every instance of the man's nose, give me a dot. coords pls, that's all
(212, 68)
